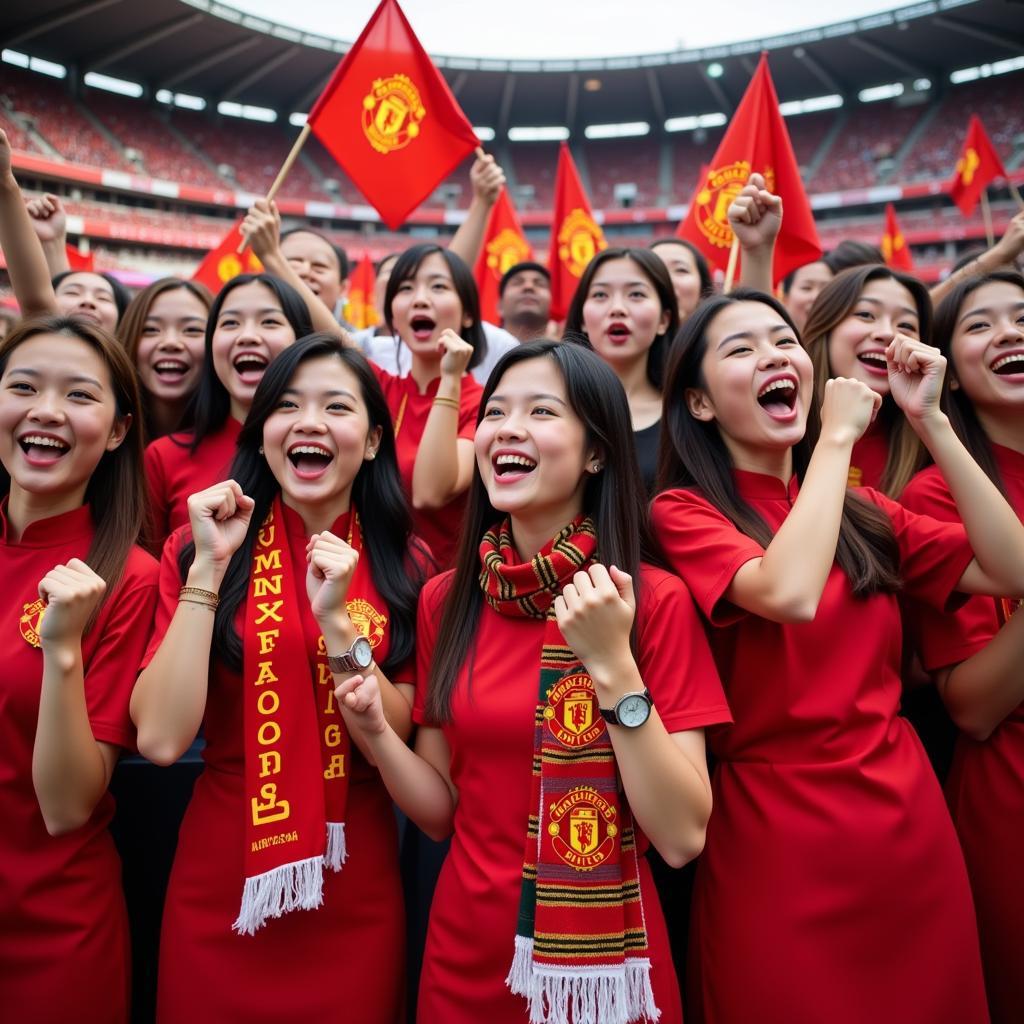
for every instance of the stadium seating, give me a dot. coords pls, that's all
(623, 161)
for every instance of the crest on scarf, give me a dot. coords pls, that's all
(572, 714)
(583, 828)
(31, 622)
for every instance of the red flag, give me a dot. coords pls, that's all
(575, 236)
(389, 119)
(701, 177)
(360, 310)
(504, 246)
(894, 245)
(978, 165)
(223, 263)
(77, 260)
(756, 140)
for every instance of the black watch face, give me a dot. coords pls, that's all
(633, 710)
(362, 652)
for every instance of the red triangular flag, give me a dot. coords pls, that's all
(701, 178)
(77, 260)
(575, 236)
(504, 246)
(389, 119)
(223, 263)
(359, 309)
(894, 245)
(978, 165)
(756, 140)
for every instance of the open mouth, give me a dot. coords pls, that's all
(778, 397)
(508, 466)
(43, 450)
(422, 327)
(309, 460)
(171, 370)
(618, 334)
(250, 367)
(874, 362)
(1010, 364)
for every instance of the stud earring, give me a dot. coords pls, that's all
(261, 449)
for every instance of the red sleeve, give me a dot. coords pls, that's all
(469, 406)
(427, 619)
(927, 494)
(169, 585)
(156, 484)
(703, 548)
(675, 660)
(933, 554)
(114, 663)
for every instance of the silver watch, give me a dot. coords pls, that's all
(357, 658)
(630, 711)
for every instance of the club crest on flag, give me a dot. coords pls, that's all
(570, 714)
(31, 622)
(967, 165)
(583, 828)
(721, 186)
(505, 250)
(579, 241)
(230, 265)
(392, 112)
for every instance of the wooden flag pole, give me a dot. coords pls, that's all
(986, 216)
(730, 270)
(289, 162)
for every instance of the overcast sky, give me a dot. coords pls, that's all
(568, 28)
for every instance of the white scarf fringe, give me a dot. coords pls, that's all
(604, 995)
(297, 886)
(337, 851)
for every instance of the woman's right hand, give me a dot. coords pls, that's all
(455, 354)
(220, 518)
(848, 409)
(360, 697)
(49, 219)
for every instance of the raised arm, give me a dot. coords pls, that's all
(49, 220)
(755, 216)
(444, 462)
(487, 179)
(26, 264)
(169, 698)
(1004, 252)
(786, 584)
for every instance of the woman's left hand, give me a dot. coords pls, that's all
(331, 565)
(755, 215)
(72, 593)
(261, 228)
(595, 614)
(916, 372)
(455, 354)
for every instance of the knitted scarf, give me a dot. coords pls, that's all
(581, 951)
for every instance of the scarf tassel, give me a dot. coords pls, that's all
(337, 850)
(297, 886)
(581, 996)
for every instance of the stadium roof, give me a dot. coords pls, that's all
(208, 49)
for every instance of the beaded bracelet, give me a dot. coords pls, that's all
(195, 595)
(450, 402)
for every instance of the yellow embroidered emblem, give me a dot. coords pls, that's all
(505, 251)
(392, 112)
(583, 828)
(31, 622)
(571, 713)
(367, 620)
(579, 241)
(720, 188)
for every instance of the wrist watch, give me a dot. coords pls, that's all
(630, 711)
(357, 658)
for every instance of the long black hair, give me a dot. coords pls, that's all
(377, 495)
(613, 498)
(654, 269)
(211, 403)
(957, 403)
(693, 454)
(405, 269)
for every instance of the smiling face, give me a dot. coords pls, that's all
(89, 296)
(757, 382)
(318, 437)
(251, 330)
(427, 304)
(622, 314)
(531, 449)
(170, 353)
(58, 417)
(682, 268)
(316, 262)
(803, 290)
(856, 345)
(988, 347)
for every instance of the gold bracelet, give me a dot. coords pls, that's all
(450, 402)
(195, 595)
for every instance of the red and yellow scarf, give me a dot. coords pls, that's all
(294, 732)
(581, 949)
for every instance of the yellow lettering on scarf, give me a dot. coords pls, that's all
(264, 563)
(332, 708)
(265, 538)
(269, 610)
(268, 758)
(324, 676)
(332, 736)
(267, 639)
(268, 702)
(266, 674)
(263, 585)
(336, 769)
(269, 734)
(269, 808)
